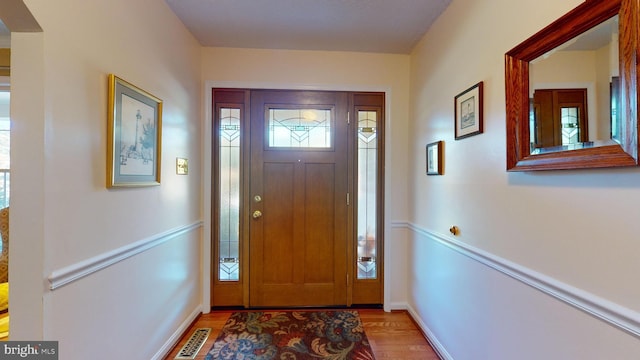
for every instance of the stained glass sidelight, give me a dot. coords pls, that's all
(367, 209)
(229, 236)
(533, 131)
(300, 128)
(570, 125)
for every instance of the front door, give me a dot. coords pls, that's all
(560, 117)
(297, 201)
(298, 198)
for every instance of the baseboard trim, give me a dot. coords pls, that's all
(431, 337)
(177, 335)
(61, 277)
(614, 314)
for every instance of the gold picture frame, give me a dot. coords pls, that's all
(134, 135)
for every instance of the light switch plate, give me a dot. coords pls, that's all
(182, 166)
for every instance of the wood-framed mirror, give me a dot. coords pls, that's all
(523, 115)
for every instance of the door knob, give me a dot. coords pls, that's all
(257, 214)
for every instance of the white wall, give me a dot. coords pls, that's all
(100, 269)
(252, 68)
(570, 233)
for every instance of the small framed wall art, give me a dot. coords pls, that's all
(134, 135)
(468, 112)
(434, 158)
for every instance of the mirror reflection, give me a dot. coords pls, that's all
(573, 92)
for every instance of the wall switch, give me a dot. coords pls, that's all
(182, 166)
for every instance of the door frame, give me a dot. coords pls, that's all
(206, 257)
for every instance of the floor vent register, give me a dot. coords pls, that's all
(194, 344)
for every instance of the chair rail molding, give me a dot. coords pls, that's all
(612, 313)
(68, 274)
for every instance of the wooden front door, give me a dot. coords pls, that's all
(298, 198)
(560, 117)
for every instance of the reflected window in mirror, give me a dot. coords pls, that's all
(615, 106)
(601, 129)
(571, 91)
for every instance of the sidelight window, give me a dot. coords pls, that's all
(569, 117)
(367, 190)
(229, 170)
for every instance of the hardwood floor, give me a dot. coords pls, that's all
(392, 335)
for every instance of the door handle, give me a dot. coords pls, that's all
(257, 214)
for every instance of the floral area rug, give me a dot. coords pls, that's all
(292, 335)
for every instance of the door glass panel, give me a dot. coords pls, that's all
(615, 99)
(5, 145)
(229, 236)
(570, 126)
(300, 128)
(367, 209)
(533, 131)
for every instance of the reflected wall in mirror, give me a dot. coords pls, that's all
(571, 91)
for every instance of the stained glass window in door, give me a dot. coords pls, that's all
(229, 235)
(5, 145)
(367, 206)
(570, 125)
(300, 128)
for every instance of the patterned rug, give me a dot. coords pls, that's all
(292, 335)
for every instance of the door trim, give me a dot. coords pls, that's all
(209, 85)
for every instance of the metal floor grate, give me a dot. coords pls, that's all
(194, 344)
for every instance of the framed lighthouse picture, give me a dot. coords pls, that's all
(134, 135)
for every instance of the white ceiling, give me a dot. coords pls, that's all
(380, 26)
